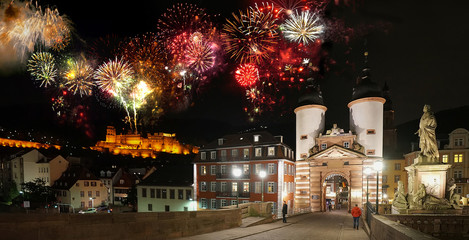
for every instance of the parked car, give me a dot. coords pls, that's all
(89, 210)
(104, 209)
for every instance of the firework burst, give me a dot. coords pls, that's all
(78, 77)
(200, 56)
(41, 65)
(114, 76)
(251, 36)
(55, 28)
(247, 74)
(183, 18)
(304, 27)
(145, 55)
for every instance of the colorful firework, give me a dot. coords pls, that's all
(247, 74)
(302, 28)
(251, 36)
(145, 55)
(78, 77)
(42, 68)
(114, 76)
(183, 18)
(200, 56)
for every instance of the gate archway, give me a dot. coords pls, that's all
(335, 191)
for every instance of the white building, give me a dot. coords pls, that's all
(166, 190)
(30, 165)
(80, 189)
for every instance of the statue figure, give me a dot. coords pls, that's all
(428, 145)
(419, 197)
(451, 196)
(358, 147)
(400, 198)
(313, 150)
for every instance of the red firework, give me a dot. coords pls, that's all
(247, 74)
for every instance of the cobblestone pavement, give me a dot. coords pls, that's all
(336, 225)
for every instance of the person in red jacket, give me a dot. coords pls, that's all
(356, 213)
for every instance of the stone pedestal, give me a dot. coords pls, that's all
(432, 175)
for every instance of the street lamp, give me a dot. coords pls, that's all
(378, 166)
(367, 172)
(237, 174)
(262, 174)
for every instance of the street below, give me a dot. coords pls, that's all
(337, 225)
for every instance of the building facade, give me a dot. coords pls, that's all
(165, 190)
(265, 167)
(27, 166)
(79, 189)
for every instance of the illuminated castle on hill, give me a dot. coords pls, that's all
(138, 146)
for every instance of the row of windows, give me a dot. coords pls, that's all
(162, 193)
(397, 178)
(43, 170)
(457, 158)
(88, 183)
(289, 169)
(258, 152)
(217, 203)
(225, 169)
(233, 186)
(90, 194)
(166, 208)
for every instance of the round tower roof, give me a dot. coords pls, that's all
(311, 95)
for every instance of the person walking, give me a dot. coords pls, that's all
(284, 211)
(356, 213)
(330, 207)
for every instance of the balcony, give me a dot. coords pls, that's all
(233, 194)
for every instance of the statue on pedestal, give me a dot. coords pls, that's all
(428, 145)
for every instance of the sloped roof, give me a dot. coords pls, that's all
(72, 175)
(244, 139)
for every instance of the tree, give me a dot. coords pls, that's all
(37, 192)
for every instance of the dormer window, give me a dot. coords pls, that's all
(220, 141)
(256, 138)
(203, 155)
(323, 146)
(346, 144)
(458, 142)
(108, 173)
(121, 181)
(102, 173)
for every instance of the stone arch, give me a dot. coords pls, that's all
(324, 176)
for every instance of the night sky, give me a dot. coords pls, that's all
(420, 48)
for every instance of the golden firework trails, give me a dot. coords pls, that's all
(42, 68)
(78, 77)
(304, 27)
(114, 76)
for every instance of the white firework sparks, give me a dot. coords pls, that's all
(302, 28)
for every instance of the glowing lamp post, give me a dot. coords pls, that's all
(367, 172)
(262, 175)
(237, 174)
(378, 166)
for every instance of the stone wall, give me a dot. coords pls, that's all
(441, 226)
(158, 225)
(382, 228)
